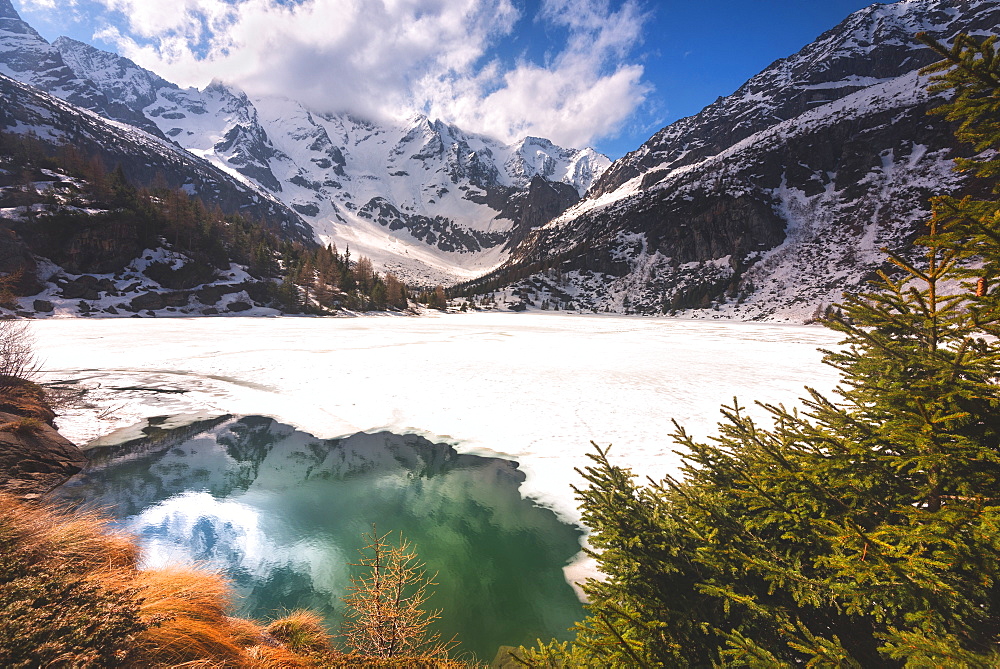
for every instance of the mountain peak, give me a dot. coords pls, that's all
(454, 199)
(223, 89)
(7, 11)
(536, 141)
(64, 42)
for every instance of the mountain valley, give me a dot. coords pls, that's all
(769, 204)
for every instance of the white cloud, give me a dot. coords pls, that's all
(391, 57)
(588, 90)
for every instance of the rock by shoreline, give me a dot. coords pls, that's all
(34, 457)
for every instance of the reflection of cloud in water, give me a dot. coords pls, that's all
(195, 528)
(282, 513)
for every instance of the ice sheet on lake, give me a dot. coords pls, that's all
(537, 388)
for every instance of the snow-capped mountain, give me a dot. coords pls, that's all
(27, 57)
(420, 197)
(120, 79)
(773, 201)
(143, 156)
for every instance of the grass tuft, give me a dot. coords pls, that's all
(187, 612)
(302, 631)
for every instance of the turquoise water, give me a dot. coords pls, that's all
(282, 513)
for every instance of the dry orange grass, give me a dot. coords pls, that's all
(82, 541)
(186, 610)
(24, 398)
(272, 657)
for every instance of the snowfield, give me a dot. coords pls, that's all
(536, 387)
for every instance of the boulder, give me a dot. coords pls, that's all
(34, 458)
(189, 275)
(176, 299)
(148, 301)
(43, 306)
(209, 294)
(88, 280)
(239, 305)
(84, 287)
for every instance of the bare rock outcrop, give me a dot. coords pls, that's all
(34, 457)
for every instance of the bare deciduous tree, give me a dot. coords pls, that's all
(386, 617)
(17, 352)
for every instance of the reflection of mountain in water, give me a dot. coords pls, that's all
(283, 512)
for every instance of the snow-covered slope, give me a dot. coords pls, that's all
(121, 79)
(420, 197)
(142, 156)
(27, 57)
(774, 201)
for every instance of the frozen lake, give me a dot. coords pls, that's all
(536, 388)
(279, 511)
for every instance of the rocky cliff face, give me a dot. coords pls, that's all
(27, 57)
(772, 202)
(540, 203)
(34, 459)
(119, 78)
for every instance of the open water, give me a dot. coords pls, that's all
(282, 514)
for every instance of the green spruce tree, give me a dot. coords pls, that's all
(857, 532)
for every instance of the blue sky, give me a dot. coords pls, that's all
(605, 73)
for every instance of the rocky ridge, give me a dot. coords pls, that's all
(772, 202)
(27, 57)
(143, 157)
